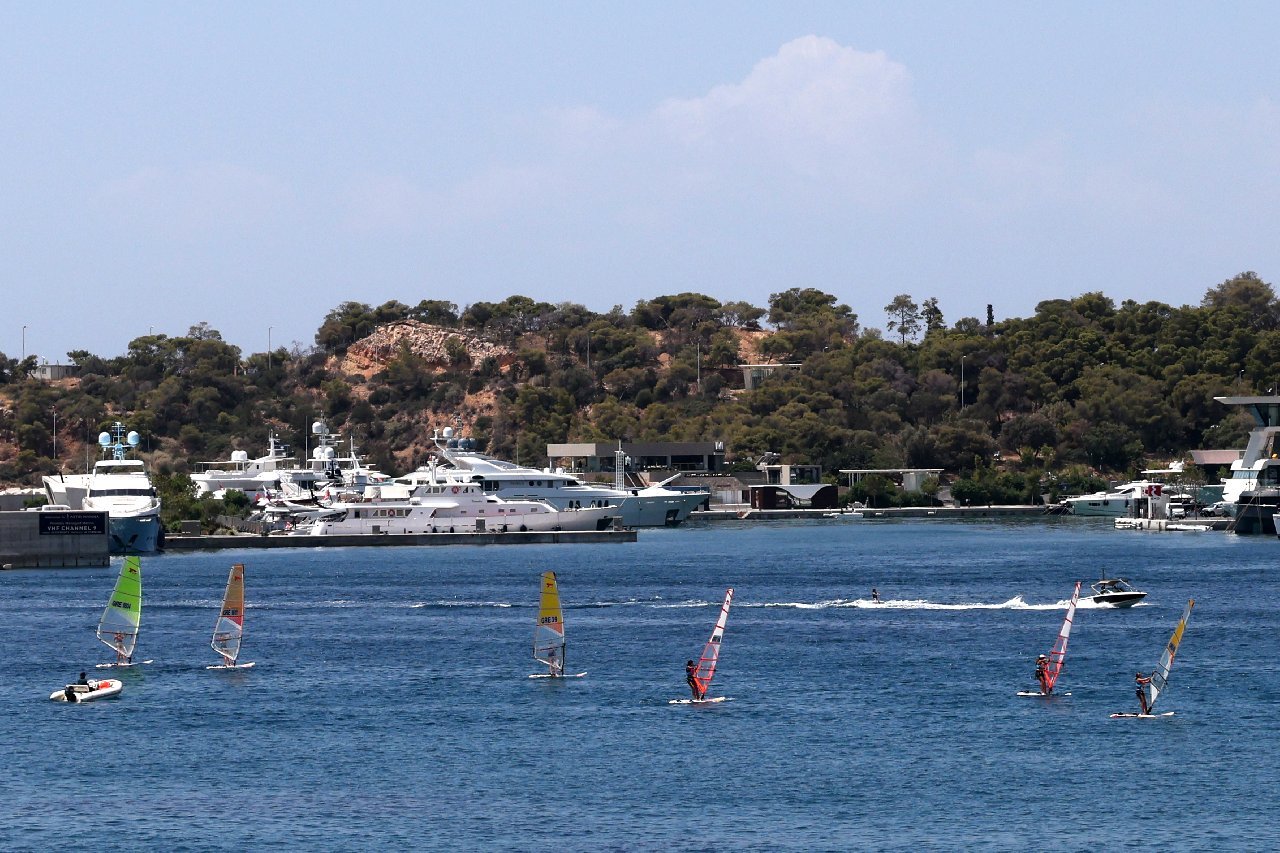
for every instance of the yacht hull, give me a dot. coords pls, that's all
(134, 534)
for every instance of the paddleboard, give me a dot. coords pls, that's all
(699, 701)
(1141, 716)
(549, 675)
(1041, 695)
(248, 665)
(122, 665)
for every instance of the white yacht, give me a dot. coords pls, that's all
(1115, 502)
(122, 488)
(653, 506)
(1252, 490)
(241, 472)
(456, 508)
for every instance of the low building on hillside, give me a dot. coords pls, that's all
(754, 374)
(908, 479)
(684, 457)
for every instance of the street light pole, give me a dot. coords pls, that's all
(55, 434)
(269, 328)
(962, 358)
(24, 343)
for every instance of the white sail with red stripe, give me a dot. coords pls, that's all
(1058, 653)
(706, 669)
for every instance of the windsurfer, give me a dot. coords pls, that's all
(1042, 673)
(690, 675)
(1142, 681)
(555, 667)
(875, 595)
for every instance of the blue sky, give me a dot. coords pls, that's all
(253, 165)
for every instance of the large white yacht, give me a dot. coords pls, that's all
(653, 506)
(457, 508)
(1252, 489)
(122, 488)
(241, 472)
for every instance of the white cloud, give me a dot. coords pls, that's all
(190, 203)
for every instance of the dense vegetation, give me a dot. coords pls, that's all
(1010, 409)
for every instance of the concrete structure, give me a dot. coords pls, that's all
(754, 374)
(49, 372)
(911, 479)
(55, 539)
(599, 457)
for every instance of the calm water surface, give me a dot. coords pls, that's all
(390, 704)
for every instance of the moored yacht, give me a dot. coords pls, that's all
(653, 506)
(122, 488)
(241, 472)
(452, 509)
(1253, 487)
(1115, 502)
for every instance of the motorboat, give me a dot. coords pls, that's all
(122, 488)
(1116, 502)
(456, 508)
(1116, 592)
(88, 691)
(460, 463)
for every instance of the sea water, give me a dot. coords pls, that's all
(391, 706)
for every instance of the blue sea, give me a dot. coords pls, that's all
(391, 706)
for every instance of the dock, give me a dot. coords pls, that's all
(747, 514)
(174, 542)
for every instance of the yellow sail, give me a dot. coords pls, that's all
(548, 631)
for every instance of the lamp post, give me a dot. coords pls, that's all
(962, 358)
(24, 343)
(55, 433)
(269, 328)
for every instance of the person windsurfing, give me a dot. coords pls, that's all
(1042, 673)
(1142, 680)
(691, 676)
(555, 666)
(875, 595)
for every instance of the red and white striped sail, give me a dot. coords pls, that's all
(1058, 653)
(711, 651)
(229, 629)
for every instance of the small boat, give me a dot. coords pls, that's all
(706, 668)
(1058, 654)
(228, 631)
(1117, 592)
(1155, 684)
(118, 627)
(104, 688)
(548, 631)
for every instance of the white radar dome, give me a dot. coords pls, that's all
(447, 432)
(133, 438)
(239, 456)
(318, 428)
(104, 438)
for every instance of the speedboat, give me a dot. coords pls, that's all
(105, 688)
(1116, 592)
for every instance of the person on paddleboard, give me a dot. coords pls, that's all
(690, 675)
(1142, 681)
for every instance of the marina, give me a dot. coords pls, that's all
(893, 711)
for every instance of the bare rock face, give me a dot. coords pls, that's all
(430, 343)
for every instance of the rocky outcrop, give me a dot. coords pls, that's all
(430, 343)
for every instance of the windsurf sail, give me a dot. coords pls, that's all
(548, 631)
(1160, 676)
(118, 628)
(1058, 653)
(229, 630)
(711, 651)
